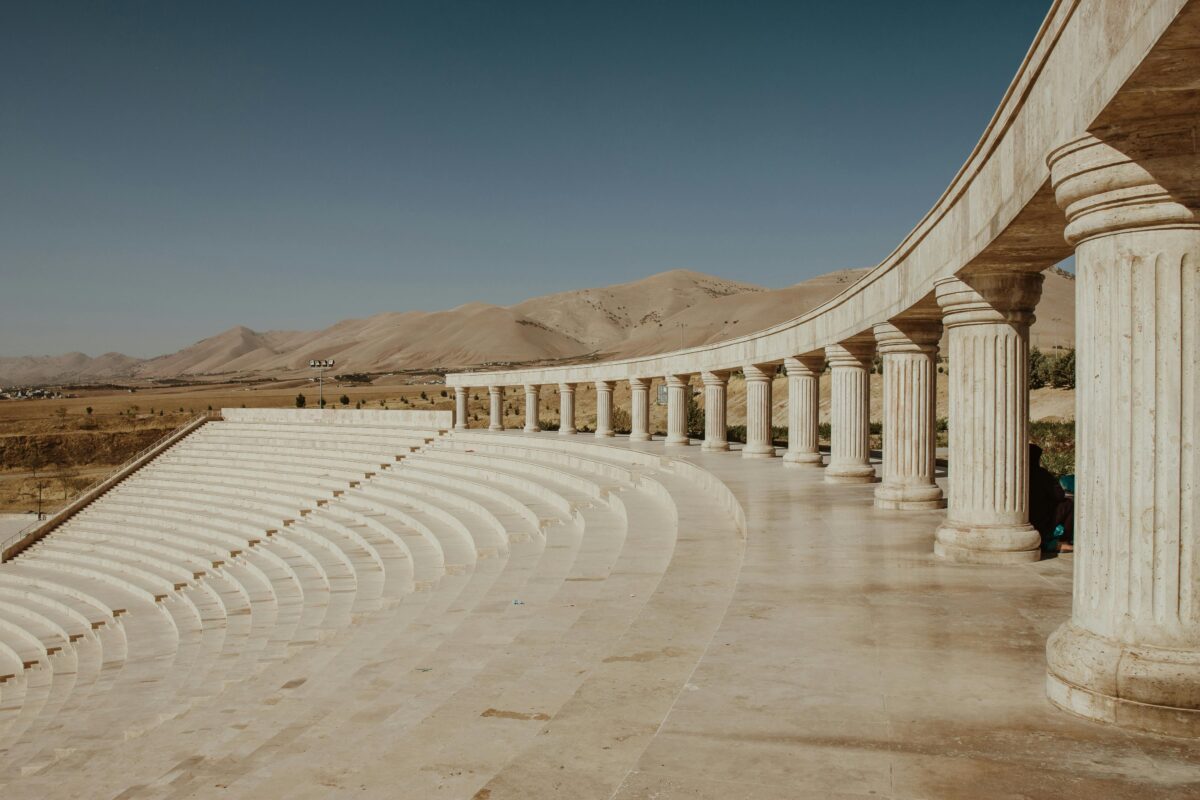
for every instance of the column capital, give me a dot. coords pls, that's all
(856, 351)
(917, 335)
(495, 390)
(461, 390)
(639, 383)
(532, 387)
(678, 380)
(605, 386)
(989, 297)
(566, 387)
(758, 372)
(805, 366)
(714, 377)
(1128, 178)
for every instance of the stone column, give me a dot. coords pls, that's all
(678, 391)
(804, 410)
(639, 409)
(604, 393)
(987, 318)
(460, 407)
(566, 409)
(532, 394)
(908, 348)
(850, 411)
(496, 408)
(715, 392)
(758, 411)
(1130, 654)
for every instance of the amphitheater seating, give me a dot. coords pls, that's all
(261, 588)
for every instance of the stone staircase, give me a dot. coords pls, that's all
(294, 609)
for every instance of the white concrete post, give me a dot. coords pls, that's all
(758, 411)
(639, 409)
(987, 318)
(532, 395)
(460, 408)
(850, 411)
(715, 397)
(1130, 654)
(566, 409)
(804, 409)
(678, 389)
(604, 397)
(908, 349)
(496, 408)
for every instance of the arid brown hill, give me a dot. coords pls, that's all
(650, 315)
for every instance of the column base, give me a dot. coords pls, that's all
(671, 441)
(639, 437)
(1142, 688)
(908, 498)
(714, 446)
(982, 544)
(758, 451)
(793, 459)
(460, 427)
(527, 429)
(605, 434)
(850, 473)
(495, 427)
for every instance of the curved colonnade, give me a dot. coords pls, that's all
(1093, 152)
(266, 582)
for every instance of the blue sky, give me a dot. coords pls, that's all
(172, 169)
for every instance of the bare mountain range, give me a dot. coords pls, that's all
(651, 315)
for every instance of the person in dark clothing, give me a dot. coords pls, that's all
(1050, 510)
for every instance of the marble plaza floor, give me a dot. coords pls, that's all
(852, 664)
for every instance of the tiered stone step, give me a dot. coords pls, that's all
(174, 585)
(423, 624)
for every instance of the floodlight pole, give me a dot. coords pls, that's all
(321, 364)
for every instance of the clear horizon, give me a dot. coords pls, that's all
(174, 171)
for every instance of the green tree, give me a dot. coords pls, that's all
(344, 400)
(1037, 369)
(1062, 372)
(301, 401)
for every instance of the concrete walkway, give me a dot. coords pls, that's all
(852, 664)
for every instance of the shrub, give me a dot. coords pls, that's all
(548, 424)
(344, 400)
(88, 410)
(301, 401)
(621, 421)
(444, 393)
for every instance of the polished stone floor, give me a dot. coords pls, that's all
(852, 664)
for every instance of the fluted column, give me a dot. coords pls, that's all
(678, 389)
(987, 318)
(804, 410)
(715, 394)
(639, 409)
(1130, 654)
(604, 396)
(566, 409)
(460, 408)
(496, 408)
(758, 411)
(532, 394)
(850, 411)
(908, 349)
